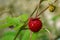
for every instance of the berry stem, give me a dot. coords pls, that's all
(50, 34)
(30, 35)
(45, 9)
(19, 30)
(22, 27)
(33, 12)
(38, 8)
(27, 20)
(25, 23)
(25, 28)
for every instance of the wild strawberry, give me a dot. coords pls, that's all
(34, 24)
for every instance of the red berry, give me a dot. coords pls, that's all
(34, 24)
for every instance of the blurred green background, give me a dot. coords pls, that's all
(13, 13)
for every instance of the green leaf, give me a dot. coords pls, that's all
(23, 17)
(21, 34)
(8, 21)
(8, 36)
(18, 26)
(34, 36)
(19, 21)
(42, 35)
(26, 35)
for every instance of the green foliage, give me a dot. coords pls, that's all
(7, 23)
(34, 36)
(16, 21)
(8, 36)
(23, 17)
(20, 21)
(26, 35)
(42, 35)
(21, 34)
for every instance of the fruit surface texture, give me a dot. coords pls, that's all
(34, 24)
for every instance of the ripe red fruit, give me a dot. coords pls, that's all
(34, 24)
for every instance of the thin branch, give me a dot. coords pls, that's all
(25, 28)
(20, 30)
(40, 2)
(30, 35)
(50, 34)
(27, 20)
(37, 7)
(47, 30)
(22, 27)
(33, 11)
(43, 11)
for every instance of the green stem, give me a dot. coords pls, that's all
(25, 23)
(19, 30)
(30, 35)
(45, 9)
(50, 34)
(27, 20)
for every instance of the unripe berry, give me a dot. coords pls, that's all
(51, 8)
